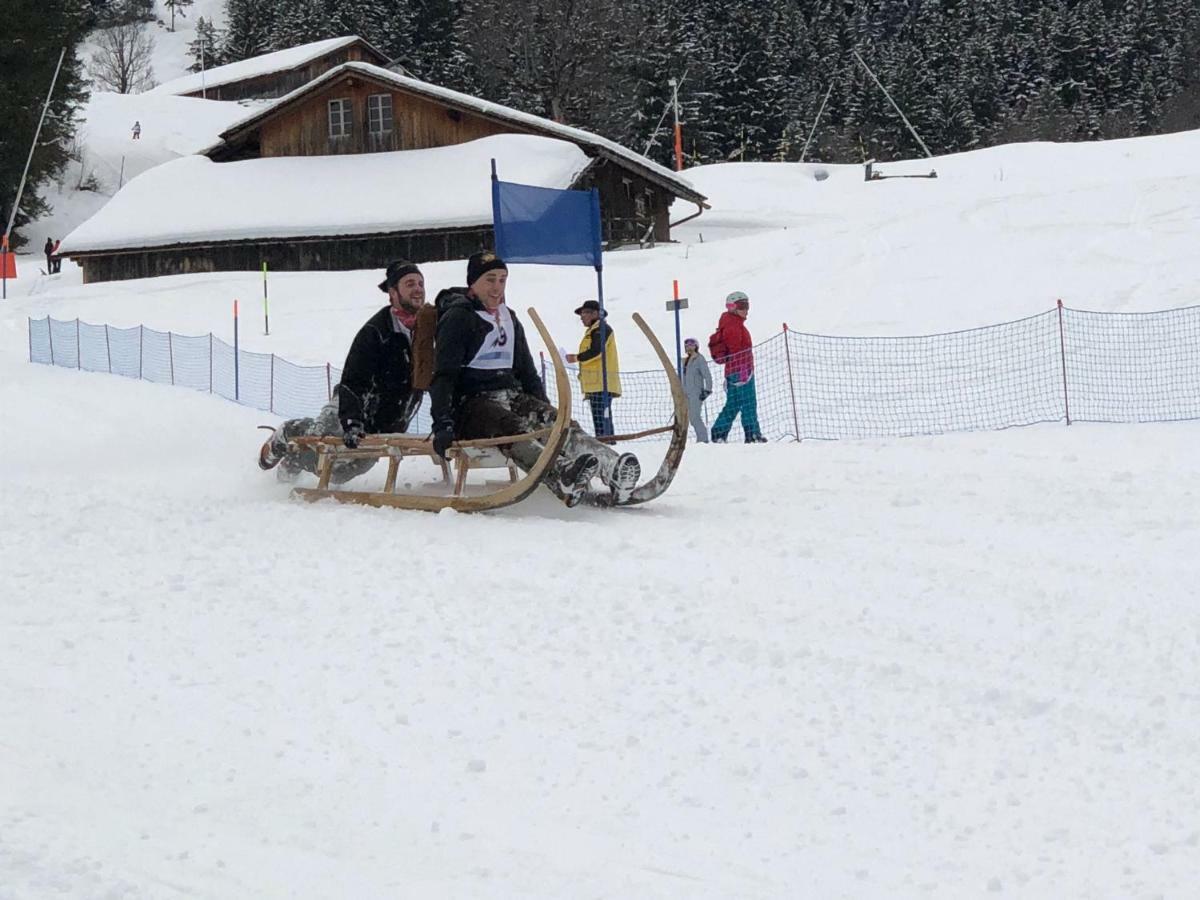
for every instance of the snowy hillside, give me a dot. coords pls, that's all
(948, 667)
(107, 155)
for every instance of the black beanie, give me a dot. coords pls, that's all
(395, 271)
(481, 263)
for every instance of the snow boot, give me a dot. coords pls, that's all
(574, 475)
(624, 476)
(755, 439)
(273, 449)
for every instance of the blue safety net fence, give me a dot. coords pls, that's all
(1061, 365)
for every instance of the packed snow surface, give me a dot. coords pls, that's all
(961, 666)
(267, 63)
(194, 199)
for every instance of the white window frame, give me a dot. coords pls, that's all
(375, 114)
(341, 118)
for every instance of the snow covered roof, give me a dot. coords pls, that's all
(256, 66)
(195, 200)
(679, 185)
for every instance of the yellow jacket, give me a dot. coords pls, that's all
(590, 373)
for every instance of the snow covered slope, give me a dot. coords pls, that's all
(935, 667)
(108, 155)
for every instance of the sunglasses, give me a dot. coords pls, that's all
(742, 304)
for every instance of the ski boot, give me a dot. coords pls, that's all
(624, 476)
(573, 477)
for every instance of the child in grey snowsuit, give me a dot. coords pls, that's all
(697, 385)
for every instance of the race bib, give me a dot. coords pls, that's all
(496, 352)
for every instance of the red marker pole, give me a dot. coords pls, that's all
(236, 354)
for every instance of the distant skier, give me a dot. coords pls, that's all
(485, 384)
(731, 344)
(376, 394)
(57, 260)
(49, 251)
(137, 130)
(697, 385)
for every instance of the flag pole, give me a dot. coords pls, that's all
(602, 325)
(12, 215)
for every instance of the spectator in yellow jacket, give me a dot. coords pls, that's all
(598, 365)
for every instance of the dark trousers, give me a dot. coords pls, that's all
(503, 413)
(601, 405)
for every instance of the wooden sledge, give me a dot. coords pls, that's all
(396, 447)
(657, 485)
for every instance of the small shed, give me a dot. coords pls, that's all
(273, 74)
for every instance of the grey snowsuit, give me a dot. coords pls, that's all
(697, 381)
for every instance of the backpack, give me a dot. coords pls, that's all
(716, 346)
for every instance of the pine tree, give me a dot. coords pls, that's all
(301, 22)
(36, 30)
(177, 7)
(205, 48)
(247, 29)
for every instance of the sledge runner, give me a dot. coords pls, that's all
(376, 394)
(485, 385)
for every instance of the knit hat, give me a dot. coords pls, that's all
(482, 263)
(735, 298)
(691, 342)
(395, 271)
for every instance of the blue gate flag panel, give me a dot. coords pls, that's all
(544, 225)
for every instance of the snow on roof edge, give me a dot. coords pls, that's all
(284, 60)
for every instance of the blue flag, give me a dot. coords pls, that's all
(544, 225)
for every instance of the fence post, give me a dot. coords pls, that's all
(787, 350)
(50, 337)
(29, 323)
(271, 394)
(542, 356)
(210, 362)
(141, 333)
(171, 355)
(107, 349)
(328, 381)
(78, 346)
(1062, 354)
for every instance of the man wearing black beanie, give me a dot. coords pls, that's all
(376, 394)
(485, 384)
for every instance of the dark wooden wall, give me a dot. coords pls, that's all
(276, 84)
(418, 124)
(629, 204)
(325, 254)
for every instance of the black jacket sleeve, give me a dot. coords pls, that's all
(451, 343)
(523, 366)
(596, 347)
(362, 362)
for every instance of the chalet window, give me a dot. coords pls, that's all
(379, 114)
(628, 185)
(341, 119)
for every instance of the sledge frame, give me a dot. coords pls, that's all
(657, 485)
(396, 447)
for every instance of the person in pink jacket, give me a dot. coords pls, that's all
(732, 345)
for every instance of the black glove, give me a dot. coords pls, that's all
(704, 395)
(442, 439)
(352, 433)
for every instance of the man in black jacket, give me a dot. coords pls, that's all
(375, 394)
(485, 384)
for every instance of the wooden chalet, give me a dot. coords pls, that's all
(359, 108)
